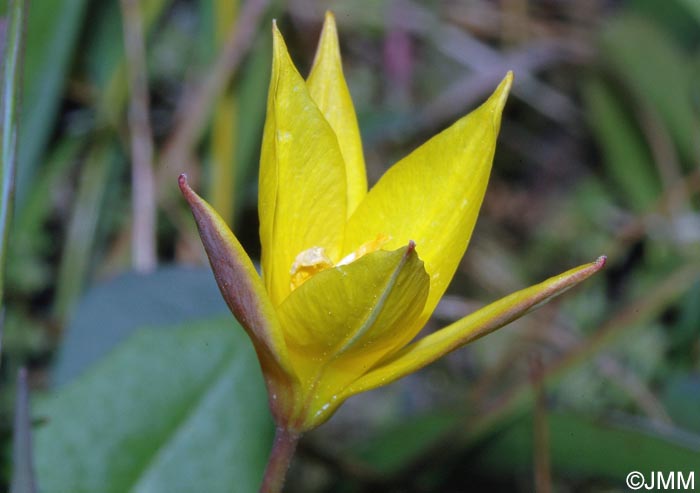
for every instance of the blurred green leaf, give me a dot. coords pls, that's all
(399, 445)
(252, 97)
(78, 247)
(687, 328)
(245, 102)
(222, 179)
(32, 245)
(682, 400)
(105, 61)
(13, 52)
(672, 17)
(180, 410)
(578, 445)
(52, 31)
(693, 7)
(625, 154)
(111, 312)
(591, 448)
(655, 69)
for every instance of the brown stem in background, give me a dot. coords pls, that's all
(143, 239)
(280, 458)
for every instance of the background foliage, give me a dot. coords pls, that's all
(140, 379)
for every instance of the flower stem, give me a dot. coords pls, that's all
(278, 464)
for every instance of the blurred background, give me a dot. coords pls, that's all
(138, 381)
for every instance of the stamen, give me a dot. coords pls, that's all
(307, 264)
(314, 260)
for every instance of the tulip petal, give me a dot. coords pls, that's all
(343, 320)
(329, 90)
(240, 285)
(302, 196)
(433, 196)
(474, 326)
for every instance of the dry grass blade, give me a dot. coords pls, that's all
(488, 66)
(143, 237)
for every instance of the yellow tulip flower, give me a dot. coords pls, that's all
(350, 276)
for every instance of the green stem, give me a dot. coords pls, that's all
(278, 464)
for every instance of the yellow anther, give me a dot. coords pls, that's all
(314, 260)
(307, 264)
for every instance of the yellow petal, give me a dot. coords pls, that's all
(238, 280)
(478, 324)
(329, 90)
(343, 320)
(302, 195)
(433, 196)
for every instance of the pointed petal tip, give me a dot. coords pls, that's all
(500, 95)
(190, 195)
(411, 246)
(185, 187)
(330, 28)
(594, 266)
(329, 24)
(328, 41)
(410, 252)
(583, 272)
(507, 81)
(277, 38)
(279, 47)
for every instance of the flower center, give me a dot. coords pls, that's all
(314, 260)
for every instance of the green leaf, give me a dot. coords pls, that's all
(83, 227)
(628, 44)
(180, 410)
(585, 447)
(685, 331)
(577, 445)
(32, 245)
(397, 446)
(104, 55)
(111, 312)
(626, 156)
(681, 397)
(249, 89)
(10, 82)
(254, 75)
(52, 29)
(693, 7)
